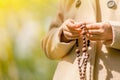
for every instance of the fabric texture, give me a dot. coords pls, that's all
(104, 62)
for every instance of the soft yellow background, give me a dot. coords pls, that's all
(23, 23)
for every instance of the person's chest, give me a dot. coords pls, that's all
(109, 10)
(94, 10)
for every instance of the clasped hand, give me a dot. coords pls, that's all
(95, 31)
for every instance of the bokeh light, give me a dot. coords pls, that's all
(23, 23)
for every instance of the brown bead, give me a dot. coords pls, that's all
(80, 74)
(78, 55)
(85, 64)
(84, 70)
(85, 67)
(84, 53)
(79, 67)
(84, 42)
(87, 54)
(86, 60)
(78, 60)
(84, 45)
(77, 51)
(82, 78)
(84, 49)
(88, 43)
(84, 38)
(83, 32)
(84, 74)
(77, 43)
(80, 70)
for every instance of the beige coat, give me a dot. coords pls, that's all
(104, 62)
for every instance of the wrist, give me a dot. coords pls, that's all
(109, 37)
(63, 38)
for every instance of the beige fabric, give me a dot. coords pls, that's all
(104, 63)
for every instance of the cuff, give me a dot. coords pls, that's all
(58, 49)
(115, 43)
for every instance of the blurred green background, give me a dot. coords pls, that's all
(23, 23)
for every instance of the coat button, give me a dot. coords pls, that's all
(111, 4)
(78, 3)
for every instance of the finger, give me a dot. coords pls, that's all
(79, 24)
(77, 31)
(70, 36)
(72, 30)
(70, 23)
(92, 26)
(95, 32)
(95, 37)
(77, 27)
(74, 24)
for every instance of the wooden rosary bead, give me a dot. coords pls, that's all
(82, 78)
(77, 51)
(83, 32)
(77, 43)
(78, 55)
(85, 64)
(84, 45)
(85, 67)
(86, 60)
(84, 49)
(83, 38)
(84, 71)
(88, 43)
(87, 57)
(87, 54)
(78, 59)
(80, 70)
(80, 74)
(84, 42)
(79, 67)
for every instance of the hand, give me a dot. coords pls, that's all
(71, 30)
(99, 31)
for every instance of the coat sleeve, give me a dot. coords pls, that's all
(116, 35)
(51, 44)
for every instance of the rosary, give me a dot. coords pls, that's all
(82, 58)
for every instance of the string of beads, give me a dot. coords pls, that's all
(83, 56)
